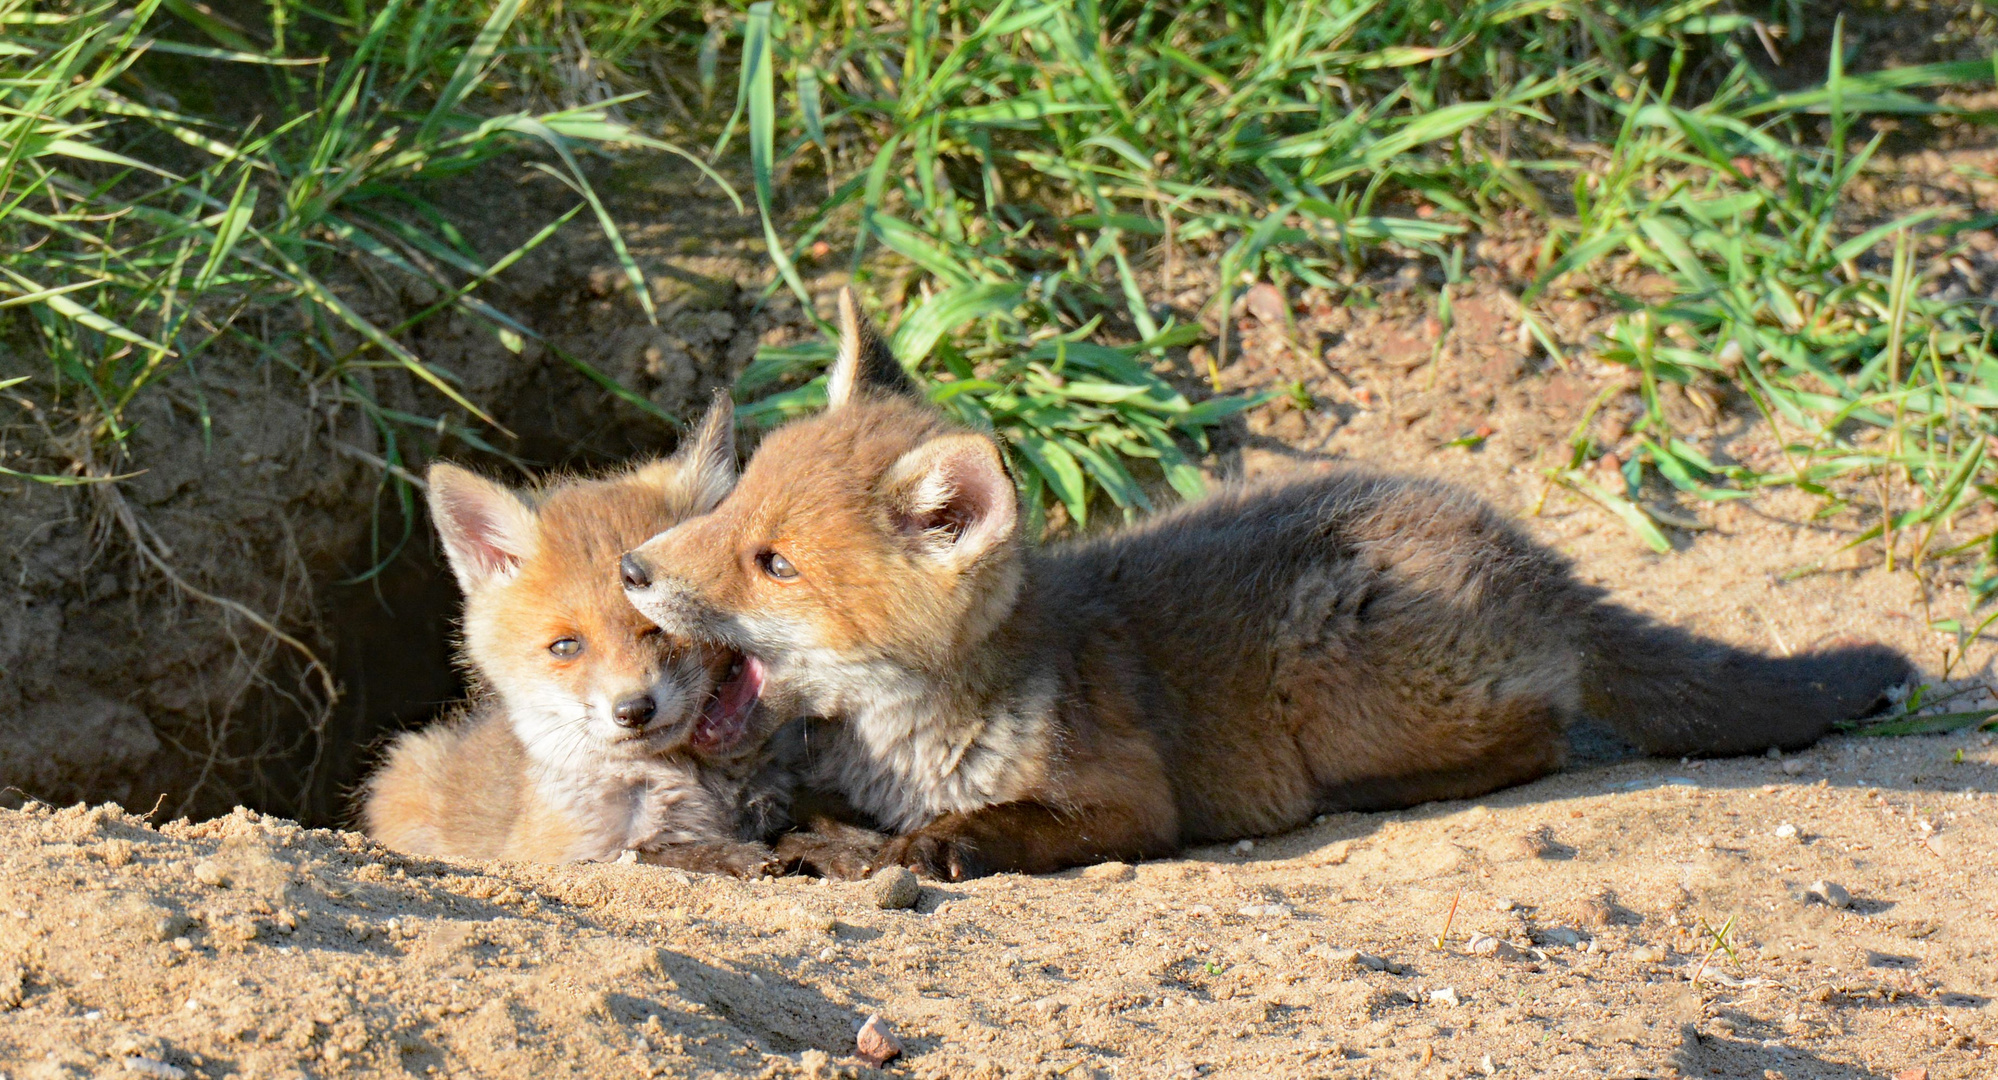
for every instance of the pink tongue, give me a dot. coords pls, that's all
(723, 719)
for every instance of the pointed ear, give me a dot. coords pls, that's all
(708, 455)
(702, 472)
(486, 529)
(864, 364)
(953, 497)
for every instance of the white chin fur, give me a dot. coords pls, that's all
(617, 791)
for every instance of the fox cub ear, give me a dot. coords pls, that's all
(953, 497)
(864, 364)
(702, 471)
(486, 529)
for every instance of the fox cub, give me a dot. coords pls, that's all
(1230, 668)
(591, 732)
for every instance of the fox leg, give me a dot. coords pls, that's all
(831, 849)
(1031, 838)
(735, 859)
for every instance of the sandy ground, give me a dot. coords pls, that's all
(1588, 911)
(1625, 918)
(1828, 915)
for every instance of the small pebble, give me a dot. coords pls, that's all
(1561, 935)
(803, 918)
(154, 1067)
(1786, 831)
(1110, 871)
(1505, 904)
(895, 888)
(1537, 844)
(1268, 303)
(1487, 945)
(1243, 847)
(1794, 767)
(1266, 911)
(208, 873)
(1359, 959)
(1596, 911)
(1829, 892)
(1445, 996)
(1648, 954)
(876, 1043)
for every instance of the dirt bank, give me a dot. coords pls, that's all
(260, 483)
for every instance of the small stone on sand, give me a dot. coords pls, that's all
(154, 1067)
(1358, 959)
(895, 888)
(1829, 892)
(876, 1043)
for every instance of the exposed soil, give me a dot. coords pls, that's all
(1624, 918)
(118, 684)
(251, 947)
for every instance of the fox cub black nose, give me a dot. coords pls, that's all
(636, 576)
(635, 712)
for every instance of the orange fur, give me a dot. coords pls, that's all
(1227, 668)
(557, 761)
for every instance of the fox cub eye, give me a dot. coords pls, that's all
(567, 646)
(777, 566)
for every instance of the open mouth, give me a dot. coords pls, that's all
(725, 716)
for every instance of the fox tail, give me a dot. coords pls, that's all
(1674, 693)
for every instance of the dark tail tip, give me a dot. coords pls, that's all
(1671, 692)
(1858, 679)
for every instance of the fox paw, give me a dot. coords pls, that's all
(736, 860)
(841, 858)
(946, 858)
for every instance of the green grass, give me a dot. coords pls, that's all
(1009, 170)
(1880, 390)
(138, 237)
(1029, 192)
(1015, 163)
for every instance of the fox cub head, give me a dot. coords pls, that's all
(547, 627)
(876, 535)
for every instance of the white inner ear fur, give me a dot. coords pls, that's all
(845, 370)
(952, 495)
(702, 472)
(486, 529)
(709, 456)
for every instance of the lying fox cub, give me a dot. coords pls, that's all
(592, 733)
(1227, 669)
